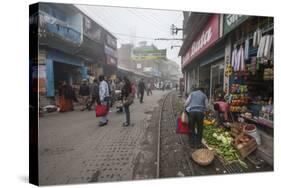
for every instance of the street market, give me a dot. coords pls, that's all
(112, 106)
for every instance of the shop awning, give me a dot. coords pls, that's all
(211, 57)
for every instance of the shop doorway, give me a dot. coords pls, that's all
(66, 72)
(216, 82)
(204, 79)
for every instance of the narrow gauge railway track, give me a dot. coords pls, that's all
(172, 161)
(174, 153)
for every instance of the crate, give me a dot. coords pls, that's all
(246, 149)
(236, 129)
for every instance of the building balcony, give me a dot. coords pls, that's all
(51, 27)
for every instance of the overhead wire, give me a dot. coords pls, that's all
(97, 18)
(157, 29)
(151, 19)
(105, 18)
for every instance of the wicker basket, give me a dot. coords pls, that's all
(203, 157)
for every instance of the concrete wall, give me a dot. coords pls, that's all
(124, 57)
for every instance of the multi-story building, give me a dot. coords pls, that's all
(72, 47)
(124, 56)
(150, 60)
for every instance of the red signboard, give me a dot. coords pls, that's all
(206, 38)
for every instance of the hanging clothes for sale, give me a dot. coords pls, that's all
(241, 59)
(237, 65)
(247, 43)
(261, 47)
(265, 46)
(257, 38)
(234, 57)
(259, 35)
(238, 59)
(268, 46)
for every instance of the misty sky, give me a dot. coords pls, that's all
(132, 25)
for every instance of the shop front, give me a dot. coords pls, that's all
(249, 74)
(211, 71)
(196, 62)
(62, 67)
(236, 71)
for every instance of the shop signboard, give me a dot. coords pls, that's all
(111, 60)
(204, 39)
(110, 51)
(142, 55)
(231, 21)
(91, 29)
(147, 69)
(111, 41)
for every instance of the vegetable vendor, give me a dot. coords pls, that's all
(195, 106)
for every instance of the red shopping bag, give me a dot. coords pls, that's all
(182, 127)
(101, 110)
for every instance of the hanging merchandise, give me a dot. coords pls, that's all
(261, 47)
(259, 35)
(234, 57)
(228, 70)
(239, 98)
(252, 67)
(265, 46)
(268, 45)
(268, 74)
(241, 59)
(237, 60)
(257, 38)
(246, 49)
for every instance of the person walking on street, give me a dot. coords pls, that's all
(84, 92)
(137, 89)
(108, 99)
(103, 95)
(133, 86)
(119, 86)
(149, 89)
(94, 91)
(195, 106)
(163, 86)
(141, 88)
(126, 91)
(112, 87)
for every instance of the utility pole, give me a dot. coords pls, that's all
(173, 46)
(174, 30)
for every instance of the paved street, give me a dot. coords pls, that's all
(74, 149)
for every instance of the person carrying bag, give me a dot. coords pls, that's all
(103, 95)
(195, 106)
(184, 117)
(128, 99)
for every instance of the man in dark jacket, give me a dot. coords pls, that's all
(141, 88)
(84, 92)
(94, 93)
(126, 91)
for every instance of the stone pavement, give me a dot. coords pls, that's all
(74, 149)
